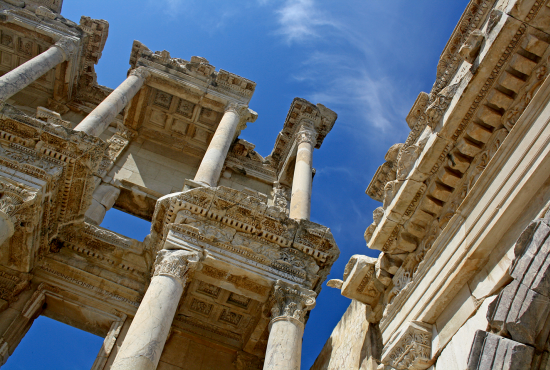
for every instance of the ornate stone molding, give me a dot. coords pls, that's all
(291, 302)
(410, 349)
(16, 201)
(140, 72)
(176, 263)
(67, 46)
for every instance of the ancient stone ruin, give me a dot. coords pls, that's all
(232, 264)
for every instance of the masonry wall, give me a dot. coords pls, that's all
(349, 346)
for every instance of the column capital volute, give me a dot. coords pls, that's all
(67, 46)
(291, 302)
(176, 263)
(140, 72)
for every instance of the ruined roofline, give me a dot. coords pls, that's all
(321, 117)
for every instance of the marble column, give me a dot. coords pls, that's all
(300, 202)
(101, 117)
(284, 346)
(212, 163)
(19, 78)
(144, 342)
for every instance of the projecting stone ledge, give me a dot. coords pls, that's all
(237, 225)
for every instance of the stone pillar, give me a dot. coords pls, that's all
(300, 202)
(212, 163)
(149, 330)
(28, 72)
(101, 117)
(284, 346)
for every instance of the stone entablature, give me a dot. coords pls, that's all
(239, 225)
(57, 165)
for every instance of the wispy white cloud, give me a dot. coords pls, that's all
(300, 19)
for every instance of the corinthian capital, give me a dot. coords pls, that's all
(176, 263)
(239, 109)
(291, 301)
(306, 133)
(67, 46)
(140, 72)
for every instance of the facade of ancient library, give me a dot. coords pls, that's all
(232, 264)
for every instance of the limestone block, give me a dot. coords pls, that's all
(534, 45)
(478, 132)
(490, 351)
(499, 99)
(467, 147)
(522, 64)
(384, 237)
(405, 201)
(448, 176)
(489, 116)
(511, 82)
(96, 212)
(361, 283)
(430, 157)
(106, 195)
(455, 354)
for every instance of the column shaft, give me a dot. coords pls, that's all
(300, 202)
(144, 342)
(212, 163)
(284, 346)
(101, 117)
(19, 78)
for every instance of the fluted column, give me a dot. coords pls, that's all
(19, 78)
(149, 330)
(300, 202)
(101, 117)
(212, 163)
(284, 346)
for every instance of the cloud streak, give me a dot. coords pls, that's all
(300, 19)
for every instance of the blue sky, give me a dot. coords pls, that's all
(366, 60)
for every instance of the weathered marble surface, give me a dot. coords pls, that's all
(101, 117)
(144, 342)
(28, 72)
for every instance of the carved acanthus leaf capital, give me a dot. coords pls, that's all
(291, 301)
(176, 263)
(140, 72)
(306, 133)
(411, 348)
(67, 46)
